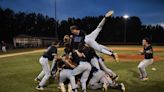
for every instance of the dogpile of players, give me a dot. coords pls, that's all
(80, 67)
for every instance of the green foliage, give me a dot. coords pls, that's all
(36, 24)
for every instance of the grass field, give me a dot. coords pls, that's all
(18, 72)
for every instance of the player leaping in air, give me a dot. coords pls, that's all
(90, 39)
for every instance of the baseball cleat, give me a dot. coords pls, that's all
(37, 80)
(84, 90)
(62, 87)
(105, 87)
(74, 90)
(39, 88)
(115, 78)
(144, 79)
(122, 87)
(69, 88)
(115, 56)
(109, 14)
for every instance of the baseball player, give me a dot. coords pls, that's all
(101, 80)
(65, 67)
(67, 52)
(98, 62)
(90, 38)
(148, 53)
(4, 46)
(49, 55)
(82, 57)
(67, 39)
(77, 37)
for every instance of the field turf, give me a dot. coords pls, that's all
(17, 74)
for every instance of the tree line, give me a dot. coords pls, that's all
(116, 29)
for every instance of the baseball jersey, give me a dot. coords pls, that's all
(89, 53)
(148, 55)
(62, 64)
(49, 53)
(75, 58)
(67, 51)
(77, 39)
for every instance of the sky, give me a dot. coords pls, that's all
(149, 11)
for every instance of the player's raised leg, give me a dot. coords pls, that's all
(93, 35)
(90, 39)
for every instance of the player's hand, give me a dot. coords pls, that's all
(109, 14)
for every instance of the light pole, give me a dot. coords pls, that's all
(56, 25)
(125, 29)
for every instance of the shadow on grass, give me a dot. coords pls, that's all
(134, 73)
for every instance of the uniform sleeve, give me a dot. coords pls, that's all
(53, 50)
(151, 49)
(148, 50)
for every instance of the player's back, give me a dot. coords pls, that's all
(49, 52)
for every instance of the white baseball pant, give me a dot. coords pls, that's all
(142, 65)
(45, 73)
(94, 81)
(84, 68)
(90, 39)
(95, 63)
(67, 74)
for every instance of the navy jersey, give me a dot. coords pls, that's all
(148, 55)
(49, 53)
(75, 58)
(77, 39)
(67, 51)
(94, 53)
(62, 64)
(89, 53)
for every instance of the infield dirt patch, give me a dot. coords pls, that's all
(134, 57)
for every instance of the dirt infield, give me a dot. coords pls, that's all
(136, 48)
(125, 57)
(134, 57)
(131, 58)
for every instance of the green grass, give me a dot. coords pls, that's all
(18, 50)
(17, 74)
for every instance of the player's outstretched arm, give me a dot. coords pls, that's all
(108, 14)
